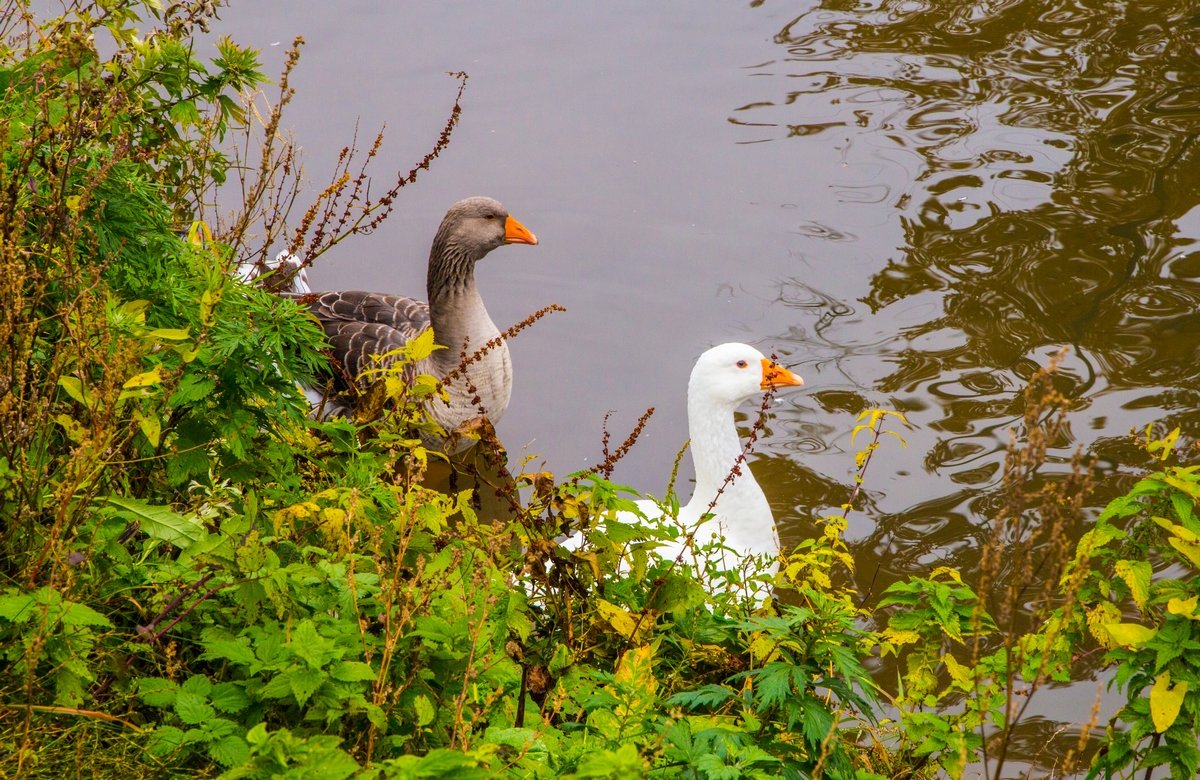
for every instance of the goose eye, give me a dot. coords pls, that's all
(741, 364)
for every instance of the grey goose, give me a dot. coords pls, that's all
(361, 325)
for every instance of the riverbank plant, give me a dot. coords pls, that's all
(197, 579)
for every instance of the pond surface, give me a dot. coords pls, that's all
(915, 204)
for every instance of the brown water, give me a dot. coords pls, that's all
(916, 203)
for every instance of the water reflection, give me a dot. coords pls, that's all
(1042, 159)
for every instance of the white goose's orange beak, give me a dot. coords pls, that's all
(775, 376)
(516, 233)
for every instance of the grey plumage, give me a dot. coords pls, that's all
(361, 325)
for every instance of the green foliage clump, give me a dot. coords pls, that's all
(195, 578)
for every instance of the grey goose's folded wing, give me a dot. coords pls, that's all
(360, 325)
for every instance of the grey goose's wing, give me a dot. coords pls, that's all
(360, 324)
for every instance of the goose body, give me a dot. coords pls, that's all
(722, 379)
(360, 325)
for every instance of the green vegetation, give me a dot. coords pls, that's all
(197, 579)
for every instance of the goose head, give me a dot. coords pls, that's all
(729, 374)
(475, 226)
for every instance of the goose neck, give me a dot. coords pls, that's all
(451, 270)
(715, 445)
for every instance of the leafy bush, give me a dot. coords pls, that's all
(199, 579)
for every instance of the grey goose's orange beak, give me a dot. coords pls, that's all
(775, 376)
(516, 233)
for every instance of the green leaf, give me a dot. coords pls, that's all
(157, 692)
(17, 607)
(561, 659)
(303, 683)
(160, 522)
(235, 649)
(679, 594)
(193, 708)
(184, 114)
(352, 671)
(705, 697)
(424, 710)
(229, 697)
(165, 740)
(81, 615)
(306, 643)
(198, 684)
(230, 751)
(276, 688)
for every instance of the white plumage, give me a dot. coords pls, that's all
(723, 378)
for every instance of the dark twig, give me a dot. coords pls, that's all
(147, 631)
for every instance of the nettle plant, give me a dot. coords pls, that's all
(1126, 591)
(1139, 586)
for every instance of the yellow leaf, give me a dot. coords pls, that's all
(73, 429)
(591, 559)
(422, 346)
(170, 334)
(394, 386)
(208, 302)
(145, 379)
(1130, 634)
(1177, 530)
(74, 387)
(1183, 486)
(949, 572)
(763, 649)
(901, 637)
(1189, 549)
(333, 515)
(959, 673)
(1166, 444)
(635, 686)
(1185, 607)
(134, 310)
(619, 619)
(636, 665)
(151, 427)
(1099, 618)
(1136, 575)
(858, 429)
(199, 233)
(1165, 701)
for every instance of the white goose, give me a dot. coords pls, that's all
(360, 325)
(723, 378)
